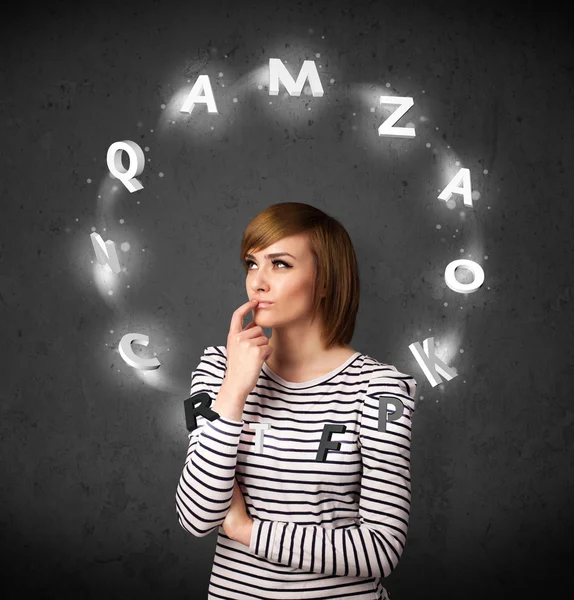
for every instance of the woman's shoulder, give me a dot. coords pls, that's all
(208, 374)
(374, 369)
(386, 378)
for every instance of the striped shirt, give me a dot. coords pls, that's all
(326, 524)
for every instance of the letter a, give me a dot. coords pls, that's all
(202, 84)
(452, 188)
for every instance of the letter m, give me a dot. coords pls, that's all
(278, 71)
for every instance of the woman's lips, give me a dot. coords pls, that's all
(264, 304)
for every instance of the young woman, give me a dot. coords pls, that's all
(298, 467)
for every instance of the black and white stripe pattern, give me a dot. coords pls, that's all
(331, 528)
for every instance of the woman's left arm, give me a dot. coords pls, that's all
(372, 547)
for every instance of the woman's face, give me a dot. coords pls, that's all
(286, 281)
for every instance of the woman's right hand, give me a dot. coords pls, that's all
(247, 349)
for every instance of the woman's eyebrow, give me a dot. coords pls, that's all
(273, 255)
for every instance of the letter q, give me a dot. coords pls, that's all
(137, 163)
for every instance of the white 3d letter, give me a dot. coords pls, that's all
(430, 369)
(259, 429)
(466, 190)
(201, 84)
(126, 352)
(137, 163)
(386, 127)
(457, 286)
(277, 70)
(105, 253)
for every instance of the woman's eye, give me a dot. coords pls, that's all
(250, 262)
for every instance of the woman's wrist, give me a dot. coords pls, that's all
(243, 533)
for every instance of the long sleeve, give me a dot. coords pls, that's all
(374, 545)
(205, 487)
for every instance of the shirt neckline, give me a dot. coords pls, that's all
(311, 382)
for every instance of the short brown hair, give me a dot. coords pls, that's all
(335, 261)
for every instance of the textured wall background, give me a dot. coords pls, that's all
(92, 450)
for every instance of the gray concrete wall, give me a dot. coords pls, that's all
(92, 450)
